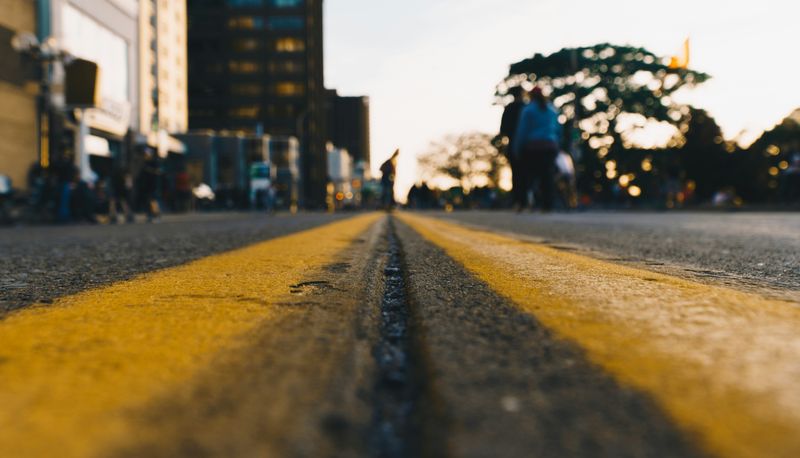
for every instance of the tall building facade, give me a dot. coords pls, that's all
(163, 80)
(348, 125)
(105, 32)
(256, 66)
(18, 148)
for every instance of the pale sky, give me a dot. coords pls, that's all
(430, 66)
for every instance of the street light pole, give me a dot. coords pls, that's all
(81, 156)
(44, 53)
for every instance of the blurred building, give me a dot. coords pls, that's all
(284, 156)
(348, 124)
(105, 32)
(340, 178)
(222, 160)
(163, 106)
(19, 145)
(256, 66)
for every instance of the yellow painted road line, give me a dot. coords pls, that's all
(724, 364)
(69, 372)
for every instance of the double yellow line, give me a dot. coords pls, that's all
(724, 364)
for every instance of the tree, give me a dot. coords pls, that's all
(611, 94)
(703, 156)
(764, 161)
(468, 159)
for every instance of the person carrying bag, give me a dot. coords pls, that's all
(535, 148)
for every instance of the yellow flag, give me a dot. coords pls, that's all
(682, 60)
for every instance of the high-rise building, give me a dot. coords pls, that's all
(348, 125)
(163, 105)
(256, 66)
(18, 148)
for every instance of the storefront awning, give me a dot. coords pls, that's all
(163, 143)
(97, 146)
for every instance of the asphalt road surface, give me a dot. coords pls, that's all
(38, 264)
(366, 335)
(760, 250)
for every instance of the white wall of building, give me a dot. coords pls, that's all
(173, 103)
(170, 59)
(106, 32)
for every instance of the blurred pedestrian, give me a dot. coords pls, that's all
(536, 146)
(388, 170)
(183, 190)
(149, 180)
(508, 130)
(270, 197)
(121, 194)
(82, 201)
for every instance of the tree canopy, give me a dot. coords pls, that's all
(612, 91)
(618, 102)
(468, 159)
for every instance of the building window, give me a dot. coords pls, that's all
(244, 3)
(249, 112)
(247, 89)
(197, 113)
(243, 67)
(212, 68)
(285, 23)
(246, 45)
(286, 67)
(286, 3)
(246, 23)
(289, 89)
(289, 45)
(286, 111)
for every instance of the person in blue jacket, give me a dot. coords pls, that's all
(535, 147)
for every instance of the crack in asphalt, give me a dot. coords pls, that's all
(400, 393)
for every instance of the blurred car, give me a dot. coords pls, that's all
(204, 196)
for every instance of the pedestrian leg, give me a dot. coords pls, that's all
(524, 181)
(545, 172)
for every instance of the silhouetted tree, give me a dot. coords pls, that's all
(764, 162)
(609, 92)
(469, 159)
(704, 158)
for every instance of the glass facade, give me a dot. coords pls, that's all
(271, 75)
(289, 89)
(264, 3)
(246, 22)
(244, 45)
(285, 23)
(289, 44)
(244, 67)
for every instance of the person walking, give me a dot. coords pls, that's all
(121, 194)
(388, 170)
(149, 179)
(536, 146)
(508, 130)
